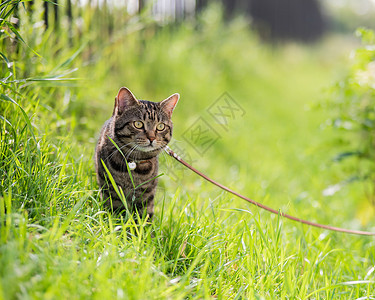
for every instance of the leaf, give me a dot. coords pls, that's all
(5, 4)
(70, 59)
(15, 31)
(157, 176)
(6, 98)
(4, 58)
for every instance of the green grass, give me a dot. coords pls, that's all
(58, 242)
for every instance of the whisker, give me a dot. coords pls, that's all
(130, 151)
(127, 156)
(114, 152)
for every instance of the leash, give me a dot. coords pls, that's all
(271, 210)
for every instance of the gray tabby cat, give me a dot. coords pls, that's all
(141, 129)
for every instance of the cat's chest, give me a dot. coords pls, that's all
(145, 167)
(144, 171)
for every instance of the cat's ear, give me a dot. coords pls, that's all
(169, 104)
(124, 100)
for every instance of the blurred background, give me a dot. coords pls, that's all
(276, 96)
(305, 20)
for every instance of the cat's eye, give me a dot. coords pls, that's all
(160, 126)
(138, 124)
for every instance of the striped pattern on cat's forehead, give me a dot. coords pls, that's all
(152, 111)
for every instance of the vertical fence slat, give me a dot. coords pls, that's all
(56, 14)
(69, 13)
(45, 5)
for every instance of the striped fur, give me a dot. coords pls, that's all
(140, 145)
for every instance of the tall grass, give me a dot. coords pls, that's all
(57, 241)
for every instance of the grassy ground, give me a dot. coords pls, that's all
(57, 241)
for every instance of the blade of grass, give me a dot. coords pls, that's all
(7, 98)
(127, 165)
(120, 194)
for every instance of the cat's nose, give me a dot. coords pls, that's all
(151, 138)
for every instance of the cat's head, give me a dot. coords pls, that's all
(143, 127)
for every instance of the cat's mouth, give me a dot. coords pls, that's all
(149, 148)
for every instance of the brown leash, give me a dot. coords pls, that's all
(180, 160)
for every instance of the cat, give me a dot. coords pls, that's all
(141, 129)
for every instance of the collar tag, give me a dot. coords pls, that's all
(132, 165)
